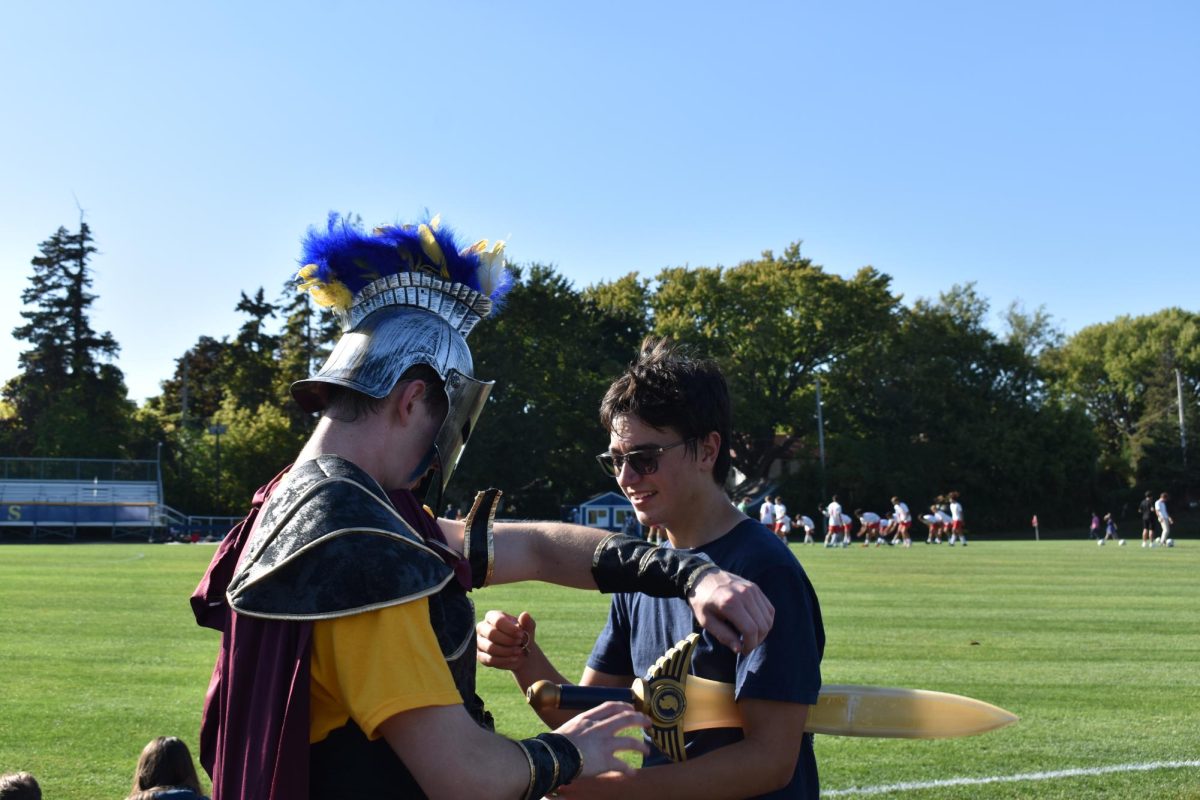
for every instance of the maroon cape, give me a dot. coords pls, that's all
(254, 733)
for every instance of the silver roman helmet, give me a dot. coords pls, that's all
(406, 295)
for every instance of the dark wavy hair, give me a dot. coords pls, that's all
(666, 386)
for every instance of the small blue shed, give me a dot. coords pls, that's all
(607, 511)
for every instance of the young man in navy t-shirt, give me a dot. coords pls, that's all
(669, 426)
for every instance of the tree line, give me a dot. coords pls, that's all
(916, 399)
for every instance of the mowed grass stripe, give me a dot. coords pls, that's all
(1094, 647)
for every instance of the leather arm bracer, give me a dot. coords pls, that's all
(627, 564)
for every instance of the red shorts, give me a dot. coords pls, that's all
(836, 529)
(957, 525)
(905, 525)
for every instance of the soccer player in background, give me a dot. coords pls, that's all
(957, 520)
(833, 523)
(1164, 519)
(903, 518)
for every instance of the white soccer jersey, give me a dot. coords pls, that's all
(766, 514)
(902, 512)
(806, 523)
(956, 513)
(869, 518)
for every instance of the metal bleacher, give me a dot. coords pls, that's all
(44, 498)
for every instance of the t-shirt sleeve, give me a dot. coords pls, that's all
(787, 665)
(374, 665)
(611, 653)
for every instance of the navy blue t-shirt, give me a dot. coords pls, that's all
(785, 667)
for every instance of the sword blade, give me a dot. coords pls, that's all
(887, 712)
(841, 709)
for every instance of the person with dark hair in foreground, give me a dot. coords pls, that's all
(19, 786)
(165, 771)
(669, 425)
(345, 668)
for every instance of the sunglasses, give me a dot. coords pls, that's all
(643, 462)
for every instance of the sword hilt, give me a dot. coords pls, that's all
(546, 696)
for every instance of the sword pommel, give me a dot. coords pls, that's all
(544, 695)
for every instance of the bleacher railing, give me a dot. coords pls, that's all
(78, 469)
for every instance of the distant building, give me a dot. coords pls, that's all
(607, 511)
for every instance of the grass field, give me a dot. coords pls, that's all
(1097, 649)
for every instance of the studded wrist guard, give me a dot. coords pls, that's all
(628, 564)
(554, 761)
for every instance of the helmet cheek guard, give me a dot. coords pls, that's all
(467, 397)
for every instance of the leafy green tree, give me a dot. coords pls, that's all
(940, 403)
(623, 311)
(774, 324)
(1031, 334)
(69, 400)
(552, 354)
(1123, 375)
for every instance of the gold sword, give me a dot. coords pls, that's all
(677, 703)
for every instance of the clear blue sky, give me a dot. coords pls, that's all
(1048, 151)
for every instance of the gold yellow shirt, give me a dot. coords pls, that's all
(371, 666)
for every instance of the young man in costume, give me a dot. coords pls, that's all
(346, 668)
(669, 426)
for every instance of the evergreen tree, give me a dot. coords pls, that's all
(304, 343)
(69, 400)
(193, 394)
(253, 366)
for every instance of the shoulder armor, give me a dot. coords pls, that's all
(330, 544)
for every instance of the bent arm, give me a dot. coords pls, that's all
(554, 552)
(452, 757)
(734, 610)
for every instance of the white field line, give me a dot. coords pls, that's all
(1024, 776)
